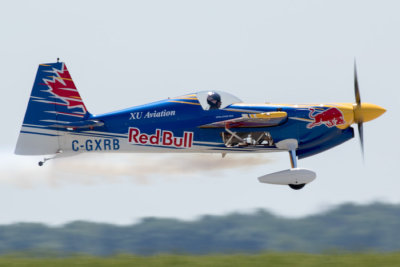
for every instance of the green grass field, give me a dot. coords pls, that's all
(264, 259)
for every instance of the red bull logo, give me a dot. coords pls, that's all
(330, 117)
(62, 87)
(160, 138)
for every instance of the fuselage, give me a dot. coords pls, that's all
(167, 121)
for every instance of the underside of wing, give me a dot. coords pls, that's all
(266, 119)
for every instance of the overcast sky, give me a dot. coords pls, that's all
(126, 53)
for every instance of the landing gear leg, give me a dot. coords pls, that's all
(293, 158)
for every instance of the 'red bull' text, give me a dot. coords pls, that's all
(160, 138)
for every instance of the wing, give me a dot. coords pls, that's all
(266, 119)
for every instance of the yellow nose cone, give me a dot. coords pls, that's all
(367, 112)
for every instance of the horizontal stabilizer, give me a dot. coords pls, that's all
(251, 120)
(80, 124)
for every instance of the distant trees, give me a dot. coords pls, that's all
(348, 227)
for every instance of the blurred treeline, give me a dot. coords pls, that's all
(349, 227)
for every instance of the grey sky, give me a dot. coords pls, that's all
(126, 53)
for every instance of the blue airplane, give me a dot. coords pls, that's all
(57, 123)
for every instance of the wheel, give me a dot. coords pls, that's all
(297, 186)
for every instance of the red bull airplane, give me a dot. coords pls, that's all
(57, 123)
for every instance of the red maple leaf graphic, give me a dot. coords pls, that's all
(62, 87)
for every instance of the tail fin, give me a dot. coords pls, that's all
(54, 102)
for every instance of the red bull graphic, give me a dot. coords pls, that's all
(62, 87)
(329, 117)
(160, 138)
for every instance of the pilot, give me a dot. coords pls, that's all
(214, 100)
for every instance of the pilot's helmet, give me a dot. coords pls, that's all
(214, 100)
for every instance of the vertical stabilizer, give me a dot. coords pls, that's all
(54, 101)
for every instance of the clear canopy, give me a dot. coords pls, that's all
(216, 99)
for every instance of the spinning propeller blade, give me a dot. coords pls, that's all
(357, 110)
(356, 89)
(361, 135)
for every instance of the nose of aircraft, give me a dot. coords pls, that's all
(367, 112)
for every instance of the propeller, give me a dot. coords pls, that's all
(363, 112)
(358, 118)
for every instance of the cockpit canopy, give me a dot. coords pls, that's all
(215, 99)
